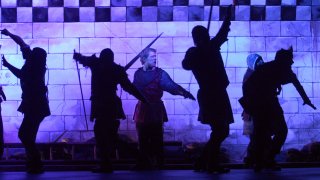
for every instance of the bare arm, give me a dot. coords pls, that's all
(14, 70)
(14, 37)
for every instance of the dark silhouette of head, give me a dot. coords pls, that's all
(285, 56)
(106, 55)
(200, 35)
(39, 56)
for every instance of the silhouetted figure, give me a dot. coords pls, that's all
(253, 61)
(2, 98)
(206, 64)
(106, 106)
(34, 104)
(149, 117)
(260, 100)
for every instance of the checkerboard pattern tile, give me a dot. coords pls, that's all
(13, 11)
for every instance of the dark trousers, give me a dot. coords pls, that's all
(27, 134)
(1, 136)
(106, 135)
(209, 157)
(267, 125)
(250, 149)
(150, 137)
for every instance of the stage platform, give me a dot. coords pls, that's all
(235, 174)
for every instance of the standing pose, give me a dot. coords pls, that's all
(34, 104)
(106, 106)
(149, 117)
(206, 64)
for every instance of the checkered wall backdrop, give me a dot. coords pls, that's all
(13, 11)
(127, 26)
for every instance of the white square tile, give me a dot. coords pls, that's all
(36, 3)
(102, 3)
(71, 3)
(87, 14)
(55, 14)
(24, 14)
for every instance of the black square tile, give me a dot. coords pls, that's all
(196, 13)
(118, 2)
(71, 14)
(165, 13)
(288, 13)
(180, 2)
(40, 14)
(149, 2)
(304, 2)
(273, 2)
(24, 3)
(223, 13)
(55, 3)
(316, 13)
(243, 2)
(134, 14)
(8, 15)
(257, 13)
(102, 14)
(208, 2)
(87, 3)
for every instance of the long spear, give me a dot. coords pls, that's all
(138, 56)
(84, 107)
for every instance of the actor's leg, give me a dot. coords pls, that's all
(157, 144)
(143, 132)
(106, 135)
(1, 136)
(249, 159)
(280, 131)
(220, 131)
(27, 134)
(260, 140)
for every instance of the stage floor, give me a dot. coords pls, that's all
(235, 174)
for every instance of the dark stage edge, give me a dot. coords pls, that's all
(235, 174)
(72, 165)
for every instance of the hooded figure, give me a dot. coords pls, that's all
(253, 61)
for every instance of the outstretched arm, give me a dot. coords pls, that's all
(301, 91)
(167, 84)
(14, 37)
(131, 88)
(14, 70)
(86, 61)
